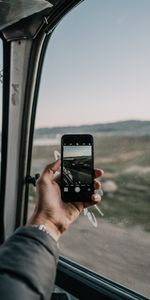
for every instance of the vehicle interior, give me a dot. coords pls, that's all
(27, 30)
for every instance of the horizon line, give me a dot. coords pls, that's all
(92, 124)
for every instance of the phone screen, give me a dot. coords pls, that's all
(77, 167)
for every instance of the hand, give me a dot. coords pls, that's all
(50, 210)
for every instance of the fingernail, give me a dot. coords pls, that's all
(102, 172)
(97, 197)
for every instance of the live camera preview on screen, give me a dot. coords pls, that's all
(77, 168)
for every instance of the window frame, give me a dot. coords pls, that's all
(85, 284)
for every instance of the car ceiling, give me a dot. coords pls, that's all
(12, 11)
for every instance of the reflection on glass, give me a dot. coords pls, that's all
(97, 81)
(77, 165)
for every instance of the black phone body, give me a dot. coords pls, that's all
(77, 167)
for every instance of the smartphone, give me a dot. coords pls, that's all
(77, 167)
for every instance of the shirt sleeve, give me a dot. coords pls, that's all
(28, 261)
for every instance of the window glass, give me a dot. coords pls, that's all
(96, 80)
(1, 82)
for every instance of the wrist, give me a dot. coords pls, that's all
(50, 227)
(53, 230)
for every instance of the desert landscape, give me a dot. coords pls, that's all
(118, 247)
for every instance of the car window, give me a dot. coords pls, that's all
(96, 80)
(1, 82)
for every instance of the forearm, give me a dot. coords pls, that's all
(28, 263)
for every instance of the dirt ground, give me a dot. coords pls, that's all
(119, 253)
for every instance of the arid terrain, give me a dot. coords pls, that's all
(116, 252)
(119, 247)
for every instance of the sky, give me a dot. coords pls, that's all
(97, 65)
(73, 151)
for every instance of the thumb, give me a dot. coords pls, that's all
(55, 166)
(52, 168)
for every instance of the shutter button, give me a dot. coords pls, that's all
(77, 189)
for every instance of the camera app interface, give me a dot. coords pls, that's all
(77, 167)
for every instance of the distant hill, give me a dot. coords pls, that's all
(127, 128)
